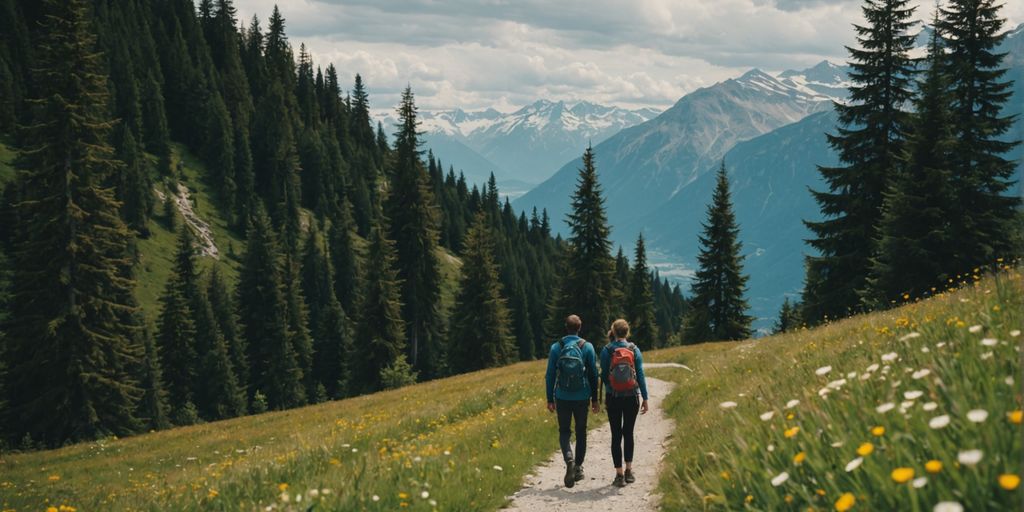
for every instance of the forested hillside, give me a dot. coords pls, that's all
(202, 222)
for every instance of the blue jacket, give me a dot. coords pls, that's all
(589, 362)
(606, 362)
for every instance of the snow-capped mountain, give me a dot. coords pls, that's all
(524, 146)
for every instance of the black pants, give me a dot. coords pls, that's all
(622, 413)
(569, 410)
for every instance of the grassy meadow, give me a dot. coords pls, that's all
(900, 410)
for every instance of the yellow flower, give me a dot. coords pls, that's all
(995, 308)
(1009, 481)
(335, 462)
(878, 431)
(933, 466)
(902, 475)
(403, 495)
(725, 475)
(52, 509)
(212, 494)
(791, 432)
(67, 508)
(749, 498)
(53, 478)
(845, 502)
(1015, 416)
(282, 487)
(790, 416)
(799, 458)
(788, 498)
(865, 449)
(820, 492)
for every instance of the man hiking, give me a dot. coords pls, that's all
(572, 380)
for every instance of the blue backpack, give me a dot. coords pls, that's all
(571, 370)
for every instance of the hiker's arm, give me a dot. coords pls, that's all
(640, 374)
(605, 361)
(592, 374)
(549, 377)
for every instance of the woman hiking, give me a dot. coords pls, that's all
(622, 372)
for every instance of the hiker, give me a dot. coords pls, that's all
(622, 372)
(572, 380)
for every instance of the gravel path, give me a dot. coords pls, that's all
(543, 489)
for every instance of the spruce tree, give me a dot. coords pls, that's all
(984, 220)
(344, 259)
(480, 331)
(718, 307)
(640, 302)
(72, 292)
(176, 334)
(134, 184)
(412, 215)
(380, 328)
(263, 311)
(589, 266)
(223, 306)
(789, 317)
(917, 250)
(153, 409)
(869, 142)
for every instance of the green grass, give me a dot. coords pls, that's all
(725, 458)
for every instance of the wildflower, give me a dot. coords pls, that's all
(939, 422)
(771, 448)
(878, 431)
(313, 493)
(919, 482)
(873, 367)
(424, 495)
(1009, 481)
(284, 497)
(1008, 380)
(335, 462)
(933, 466)
(820, 492)
(375, 498)
(725, 475)
(53, 478)
(788, 498)
(823, 370)
(790, 432)
(1014, 333)
(865, 449)
(891, 356)
(403, 496)
(989, 342)
(1015, 416)
(792, 403)
(902, 475)
(836, 384)
(790, 416)
(974, 329)
(837, 444)
(212, 494)
(52, 509)
(498, 468)
(987, 355)
(930, 406)
(767, 416)
(948, 506)
(910, 336)
(780, 479)
(913, 395)
(845, 502)
(854, 464)
(799, 458)
(922, 373)
(970, 457)
(727, 405)
(977, 415)
(282, 487)
(749, 498)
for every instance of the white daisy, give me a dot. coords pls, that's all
(854, 464)
(727, 405)
(851, 375)
(375, 498)
(925, 350)
(989, 342)
(924, 372)
(913, 395)
(836, 384)
(792, 403)
(891, 356)
(823, 370)
(919, 482)
(771, 448)
(907, 404)
(498, 468)
(969, 457)
(940, 344)
(910, 336)
(767, 416)
(986, 355)
(948, 506)
(974, 329)
(780, 479)
(837, 444)
(872, 368)
(424, 495)
(886, 407)
(977, 415)
(939, 422)
(1015, 333)
(865, 376)
(1009, 380)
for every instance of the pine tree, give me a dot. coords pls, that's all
(224, 312)
(153, 409)
(344, 260)
(480, 331)
(869, 141)
(72, 293)
(134, 185)
(273, 365)
(380, 328)
(640, 302)
(789, 317)
(718, 307)
(916, 245)
(176, 334)
(983, 225)
(589, 266)
(328, 323)
(412, 214)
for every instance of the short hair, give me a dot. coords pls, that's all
(621, 328)
(573, 324)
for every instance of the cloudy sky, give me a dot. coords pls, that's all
(475, 54)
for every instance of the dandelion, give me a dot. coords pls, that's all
(865, 449)
(913, 395)
(939, 422)
(1009, 481)
(948, 506)
(790, 432)
(933, 466)
(780, 479)
(282, 487)
(977, 415)
(1015, 416)
(823, 370)
(930, 406)
(970, 457)
(902, 475)
(767, 416)
(974, 329)
(727, 405)
(878, 431)
(845, 502)
(854, 464)
(403, 496)
(989, 342)
(799, 458)
(790, 416)
(922, 373)
(792, 403)
(891, 356)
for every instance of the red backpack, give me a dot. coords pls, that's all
(622, 371)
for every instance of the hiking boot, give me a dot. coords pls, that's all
(620, 481)
(628, 477)
(578, 473)
(570, 474)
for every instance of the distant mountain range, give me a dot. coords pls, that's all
(524, 147)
